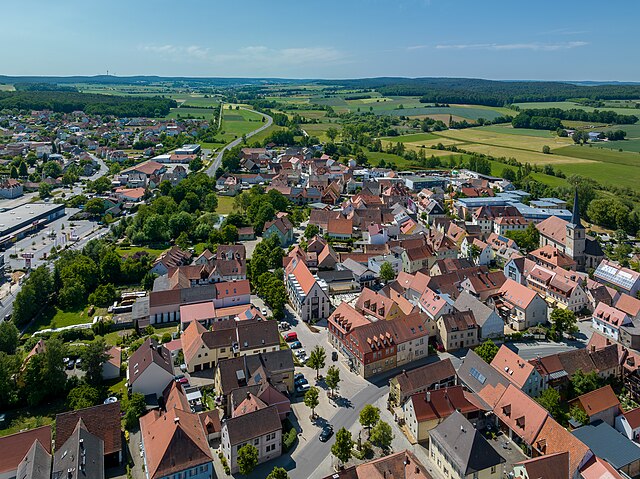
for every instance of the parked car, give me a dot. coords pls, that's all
(284, 326)
(290, 336)
(303, 358)
(70, 364)
(300, 353)
(78, 362)
(298, 376)
(334, 356)
(301, 381)
(295, 345)
(264, 312)
(303, 388)
(326, 433)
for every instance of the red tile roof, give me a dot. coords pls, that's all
(441, 403)
(102, 421)
(512, 366)
(522, 414)
(597, 401)
(15, 446)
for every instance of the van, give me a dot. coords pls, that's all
(290, 336)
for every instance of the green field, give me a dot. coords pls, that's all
(568, 105)
(153, 252)
(470, 113)
(186, 112)
(509, 130)
(412, 138)
(236, 123)
(631, 145)
(225, 205)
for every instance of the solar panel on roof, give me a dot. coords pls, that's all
(478, 375)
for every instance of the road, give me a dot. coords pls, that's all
(211, 171)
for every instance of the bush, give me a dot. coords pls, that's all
(289, 439)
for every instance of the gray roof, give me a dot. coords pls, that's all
(608, 444)
(36, 464)
(468, 302)
(82, 454)
(464, 445)
(475, 373)
(253, 424)
(357, 268)
(338, 275)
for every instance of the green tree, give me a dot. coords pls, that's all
(311, 230)
(93, 356)
(45, 376)
(110, 267)
(381, 435)
(9, 335)
(527, 239)
(83, 396)
(331, 133)
(579, 415)
(51, 169)
(550, 400)
(386, 272)
(135, 407)
(343, 445)
(312, 399)
(211, 202)
(369, 416)
(44, 190)
(563, 321)
(317, 359)
(333, 378)
(487, 350)
(95, 207)
(247, 459)
(9, 367)
(582, 383)
(22, 169)
(278, 473)
(546, 150)
(101, 185)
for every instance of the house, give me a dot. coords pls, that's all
(15, 447)
(36, 463)
(401, 464)
(520, 417)
(376, 306)
(628, 423)
(79, 456)
(340, 228)
(424, 411)
(111, 367)
(414, 259)
(246, 233)
(361, 273)
(172, 258)
(518, 371)
(596, 468)
(203, 349)
(245, 399)
(489, 322)
(520, 306)
(479, 377)
(275, 367)
(609, 320)
(551, 466)
(282, 228)
(103, 421)
(10, 188)
(150, 369)
(458, 329)
(174, 441)
(476, 250)
(261, 428)
(608, 444)
(130, 194)
(622, 279)
(600, 405)
(308, 295)
(457, 449)
(552, 372)
(482, 284)
(434, 376)
(211, 423)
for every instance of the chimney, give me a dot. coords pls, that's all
(248, 395)
(176, 420)
(593, 348)
(428, 396)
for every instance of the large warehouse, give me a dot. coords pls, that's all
(16, 223)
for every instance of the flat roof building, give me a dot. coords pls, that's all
(17, 222)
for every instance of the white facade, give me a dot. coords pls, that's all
(153, 380)
(269, 447)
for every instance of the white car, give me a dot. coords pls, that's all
(300, 352)
(264, 312)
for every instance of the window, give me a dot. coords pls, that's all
(493, 469)
(256, 441)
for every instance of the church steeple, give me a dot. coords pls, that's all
(575, 217)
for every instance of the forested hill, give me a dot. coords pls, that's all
(68, 101)
(487, 92)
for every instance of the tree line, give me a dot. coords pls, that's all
(93, 104)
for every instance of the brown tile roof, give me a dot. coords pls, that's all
(459, 321)
(551, 466)
(628, 304)
(576, 359)
(253, 424)
(512, 366)
(340, 226)
(633, 417)
(517, 294)
(173, 441)
(305, 279)
(553, 438)
(554, 228)
(210, 421)
(115, 356)
(102, 421)
(522, 414)
(441, 403)
(597, 401)
(228, 289)
(401, 465)
(15, 446)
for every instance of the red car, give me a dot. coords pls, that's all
(290, 336)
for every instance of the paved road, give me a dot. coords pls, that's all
(103, 170)
(211, 171)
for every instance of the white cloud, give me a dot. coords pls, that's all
(259, 56)
(535, 46)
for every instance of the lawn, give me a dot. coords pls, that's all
(319, 130)
(31, 417)
(225, 205)
(54, 317)
(186, 112)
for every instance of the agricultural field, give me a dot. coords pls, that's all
(236, 123)
(5, 87)
(507, 129)
(186, 112)
(568, 105)
(520, 142)
(319, 130)
(466, 112)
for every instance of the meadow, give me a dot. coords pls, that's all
(568, 105)
(236, 123)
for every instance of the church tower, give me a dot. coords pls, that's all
(575, 242)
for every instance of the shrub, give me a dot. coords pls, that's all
(289, 439)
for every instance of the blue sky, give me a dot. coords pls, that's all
(496, 39)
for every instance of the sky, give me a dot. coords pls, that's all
(493, 39)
